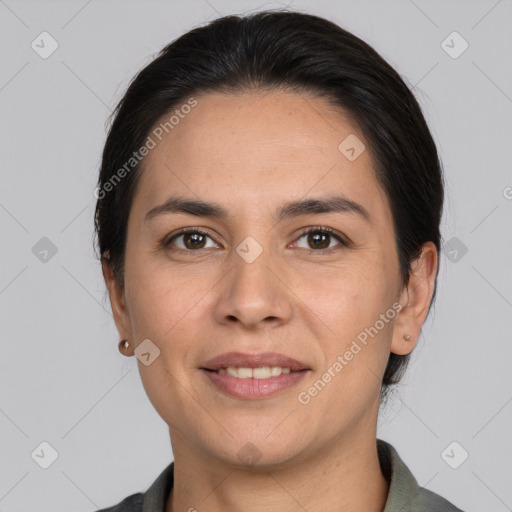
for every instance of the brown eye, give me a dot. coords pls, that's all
(192, 239)
(319, 240)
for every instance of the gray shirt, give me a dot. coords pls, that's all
(405, 495)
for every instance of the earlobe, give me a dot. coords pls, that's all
(415, 298)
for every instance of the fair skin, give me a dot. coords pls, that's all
(251, 153)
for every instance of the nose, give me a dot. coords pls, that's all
(254, 293)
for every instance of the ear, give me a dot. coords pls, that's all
(415, 299)
(117, 300)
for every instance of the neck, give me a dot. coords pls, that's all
(345, 476)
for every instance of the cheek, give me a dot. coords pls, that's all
(167, 305)
(358, 308)
(151, 295)
(353, 294)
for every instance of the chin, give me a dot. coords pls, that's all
(257, 455)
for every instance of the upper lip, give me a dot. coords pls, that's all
(239, 359)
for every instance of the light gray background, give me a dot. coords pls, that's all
(62, 379)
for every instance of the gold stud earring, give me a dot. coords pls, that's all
(407, 337)
(123, 344)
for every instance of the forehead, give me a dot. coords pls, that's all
(258, 147)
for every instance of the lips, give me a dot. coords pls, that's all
(241, 360)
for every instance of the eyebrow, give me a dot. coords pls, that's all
(289, 210)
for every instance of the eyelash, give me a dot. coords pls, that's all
(313, 229)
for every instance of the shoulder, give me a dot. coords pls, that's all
(429, 501)
(132, 503)
(404, 491)
(153, 500)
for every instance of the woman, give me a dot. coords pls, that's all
(268, 219)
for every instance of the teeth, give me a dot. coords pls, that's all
(263, 372)
(243, 373)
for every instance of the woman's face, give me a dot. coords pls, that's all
(256, 283)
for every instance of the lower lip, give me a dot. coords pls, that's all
(252, 388)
